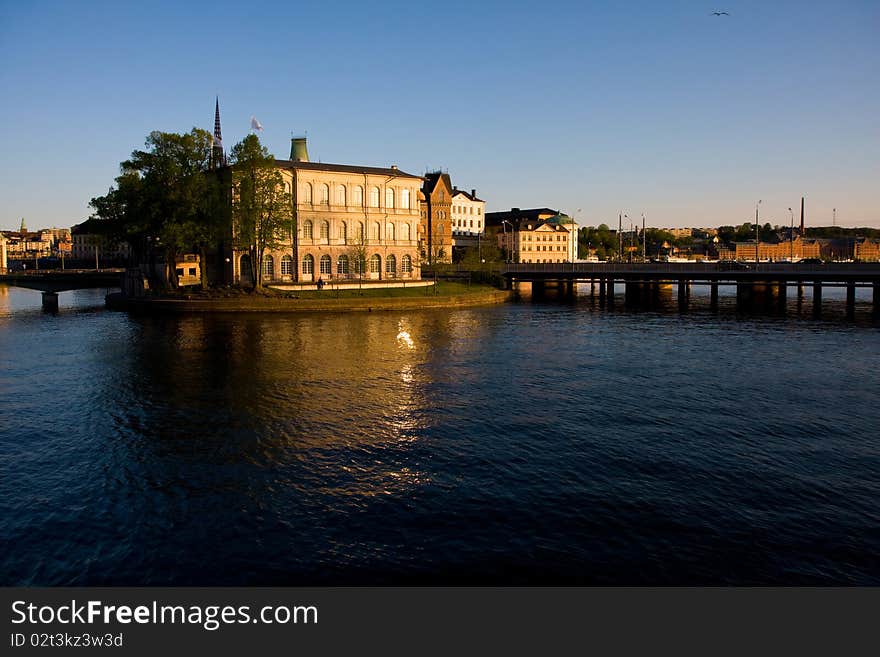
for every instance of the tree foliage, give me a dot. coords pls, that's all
(165, 198)
(262, 208)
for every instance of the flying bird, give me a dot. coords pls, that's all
(719, 13)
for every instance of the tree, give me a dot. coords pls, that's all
(262, 209)
(165, 197)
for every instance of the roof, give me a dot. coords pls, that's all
(515, 214)
(433, 178)
(345, 168)
(470, 197)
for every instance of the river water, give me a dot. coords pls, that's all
(538, 442)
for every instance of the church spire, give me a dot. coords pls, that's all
(219, 158)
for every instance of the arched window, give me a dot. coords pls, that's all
(342, 265)
(389, 197)
(244, 266)
(405, 232)
(389, 232)
(406, 264)
(326, 265)
(308, 230)
(361, 235)
(286, 265)
(325, 230)
(359, 264)
(404, 199)
(306, 193)
(374, 197)
(375, 263)
(358, 200)
(325, 194)
(340, 195)
(308, 264)
(391, 265)
(374, 231)
(268, 267)
(343, 232)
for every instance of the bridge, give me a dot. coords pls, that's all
(51, 282)
(643, 280)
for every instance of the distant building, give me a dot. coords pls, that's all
(536, 235)
(866, 249)
(468, 219)
(796, 249)
(89, 241)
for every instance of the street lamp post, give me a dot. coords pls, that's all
(757, 236)
(504, 224)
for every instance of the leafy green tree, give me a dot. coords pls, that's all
(165, 197)
(262, 210)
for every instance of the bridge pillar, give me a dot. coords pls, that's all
(850, 298)
(50, 302)
(602, 290)
(632, 292)
(610, 290)
(592, 287)
(817, 297)
(713, 294)
(682, 291)
(782, 292)
(877, 297)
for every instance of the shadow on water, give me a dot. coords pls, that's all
(764, 303)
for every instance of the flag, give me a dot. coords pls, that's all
(255, 125)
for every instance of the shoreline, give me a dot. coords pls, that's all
(118, 301)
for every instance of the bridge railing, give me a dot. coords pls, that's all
(871, 269)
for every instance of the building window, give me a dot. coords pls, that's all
(343, 233)
(307, 230)
(244, 266)
(325, 194)
(340, 195)
(374, 231)
(389, 232)
(406, 264)
(307, 193)
(286, 265)
(326, 265)
(405, 232)
(268, 267)
(375, 264)
(361, 235)
(342, 264)
(404, 199)
(389, 197)
(358, 264)
(308, 264)
(358, 200)
(325, 230)
(374, 197)
(391, 265)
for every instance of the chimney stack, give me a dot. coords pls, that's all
(802, 216)
(474, 193)
(298, 149)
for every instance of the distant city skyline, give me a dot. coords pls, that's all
(661, 109)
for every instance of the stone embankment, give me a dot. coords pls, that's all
(282, 304)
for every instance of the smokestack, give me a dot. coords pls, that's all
(474, 193)
(802, 216)
(298, 150)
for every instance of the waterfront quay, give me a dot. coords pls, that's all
(754, 281)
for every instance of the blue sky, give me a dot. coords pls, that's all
(654, 107)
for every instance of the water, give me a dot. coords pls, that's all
(541, 442)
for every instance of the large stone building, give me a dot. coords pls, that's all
(436, 218)
(345, 217)
(536, 235)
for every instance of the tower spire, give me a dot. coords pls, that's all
(219, 158)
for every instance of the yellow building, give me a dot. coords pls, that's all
(347, 217)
